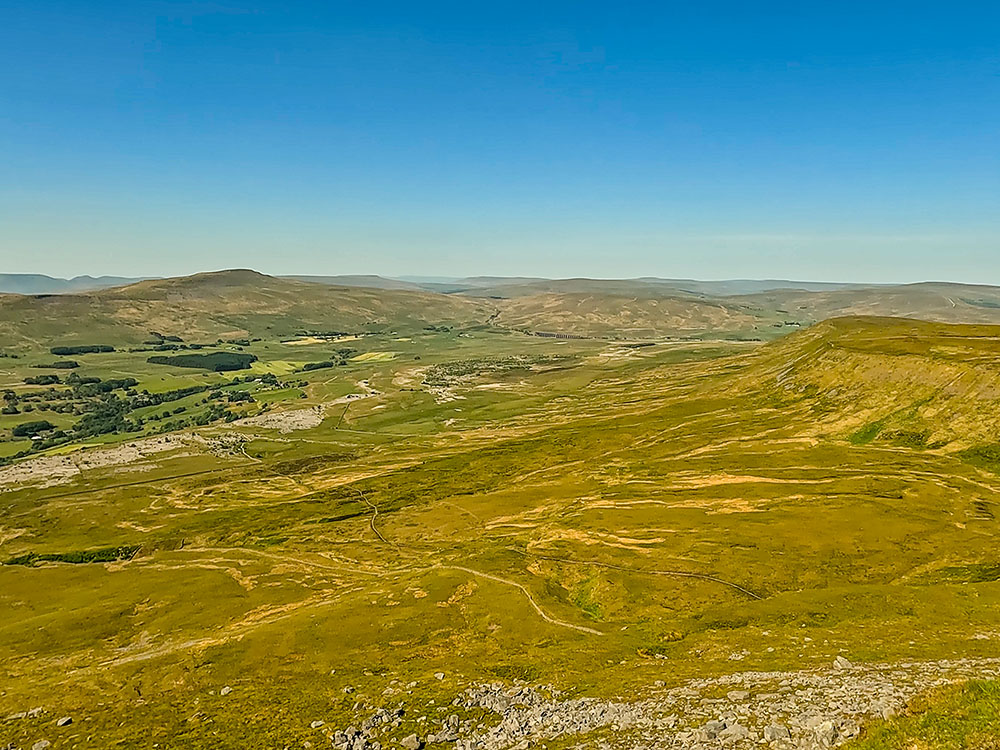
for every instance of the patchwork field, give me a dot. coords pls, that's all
(487, 538)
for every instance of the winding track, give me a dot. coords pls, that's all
(639, 571)
(371, 521)
(523, 590)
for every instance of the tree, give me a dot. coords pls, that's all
(27, 429)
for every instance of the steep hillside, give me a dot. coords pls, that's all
(223, 304)
(889, 381)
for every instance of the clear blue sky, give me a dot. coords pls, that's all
(820, 140)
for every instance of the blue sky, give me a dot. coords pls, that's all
(817, 140)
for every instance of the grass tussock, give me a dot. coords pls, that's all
(965, 717)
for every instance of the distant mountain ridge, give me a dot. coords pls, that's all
(242, 302)
(34, 283)
(520, 285)
(37, 283)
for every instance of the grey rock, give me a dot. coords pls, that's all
(447, 734)
(826, 734)
(41, 745)
(841, 663)
(734, 733)
(226, 690)
(849, 729)
(710, 730)
(65, 721)
(316, 724)
(776, 732)
(411, 742)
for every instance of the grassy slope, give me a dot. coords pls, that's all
(965, 717)
(641, 315)
(891, 382)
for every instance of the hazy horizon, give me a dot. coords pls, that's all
(435, 278)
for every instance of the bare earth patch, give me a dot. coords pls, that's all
(286, 421)
(46, 471)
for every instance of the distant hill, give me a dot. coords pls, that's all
(750, 286)
(35, 283)
(936, 301)
(235, 303)
(240, 303)
(617, 315)
(521, 286)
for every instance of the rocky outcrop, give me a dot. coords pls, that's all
(813, 709)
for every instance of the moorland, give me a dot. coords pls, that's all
(245, 511)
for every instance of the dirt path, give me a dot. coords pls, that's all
(527, 594)
(640, 571)
(371, 521)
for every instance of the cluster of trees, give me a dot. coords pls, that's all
(42, 380)
(109, 406)
(161, 347)
(106, 554)
(27, 429)
(215, 361)
(161, 343)
(81, 388)
(65, 351)
(340, 358)
(59, 364)
(88, 390)
(97, 402)
(325, 334)
(106, 415)
(159, 338)
(267, 378)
